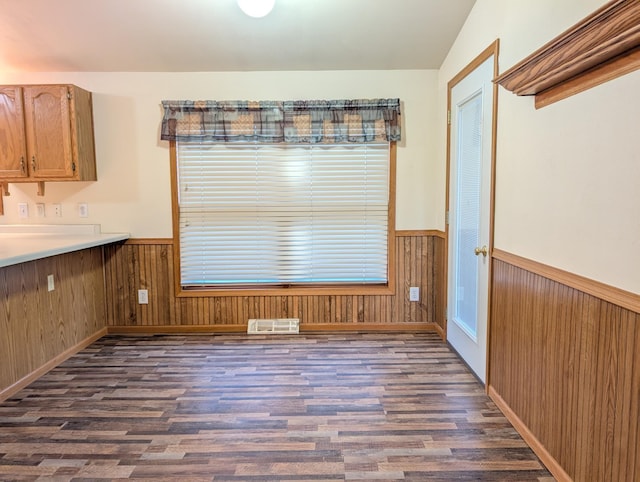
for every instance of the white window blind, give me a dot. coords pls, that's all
(283, 214)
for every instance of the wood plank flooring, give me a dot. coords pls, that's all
(395, 407)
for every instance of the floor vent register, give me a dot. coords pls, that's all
(274, 325)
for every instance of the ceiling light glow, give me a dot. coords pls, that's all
(256, 8)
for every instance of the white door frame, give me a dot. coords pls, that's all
(492, 50)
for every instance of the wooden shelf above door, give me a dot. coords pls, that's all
(603, 46)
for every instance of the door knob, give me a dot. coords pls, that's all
(482, 250)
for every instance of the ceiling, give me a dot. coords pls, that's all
(214, 35)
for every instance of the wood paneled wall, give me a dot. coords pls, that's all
(148, 264)
(567, 365)
(37, 326)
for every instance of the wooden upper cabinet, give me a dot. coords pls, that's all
(57, 123)
(47, 122)
(13, 153)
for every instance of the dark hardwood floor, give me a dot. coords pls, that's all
(261, 408)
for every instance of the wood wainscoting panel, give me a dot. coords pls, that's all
(37, 325)
(148, 264)
(567, 364)
(439, 286)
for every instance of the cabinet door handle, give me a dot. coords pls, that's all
(33, 163)
(22, 166)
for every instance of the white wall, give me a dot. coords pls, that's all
(132, 193)
(568, 175)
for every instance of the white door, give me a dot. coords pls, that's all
(470, 168)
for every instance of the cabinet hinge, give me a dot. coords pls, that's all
(449, 117)
(446, 217)
(69, 94)
(73, 166)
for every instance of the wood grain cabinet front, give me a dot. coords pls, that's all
(46, 134)
(13, 143)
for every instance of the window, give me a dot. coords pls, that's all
(283, 196)
(261, 216)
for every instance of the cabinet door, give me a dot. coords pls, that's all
(13, 155)
(48, 127)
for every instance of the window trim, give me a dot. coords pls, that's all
(337, 290)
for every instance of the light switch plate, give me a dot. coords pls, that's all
(23, 210)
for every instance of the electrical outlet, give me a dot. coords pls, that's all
(23, 210)
(40, 210)
(143, 297)
(83, 210)
(57, 210)
(414, 293)
(50, 283)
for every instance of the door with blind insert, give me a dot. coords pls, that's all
(469, 215)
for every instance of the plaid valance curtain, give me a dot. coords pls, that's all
(296, 122)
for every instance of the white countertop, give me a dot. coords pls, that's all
(21, 243)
